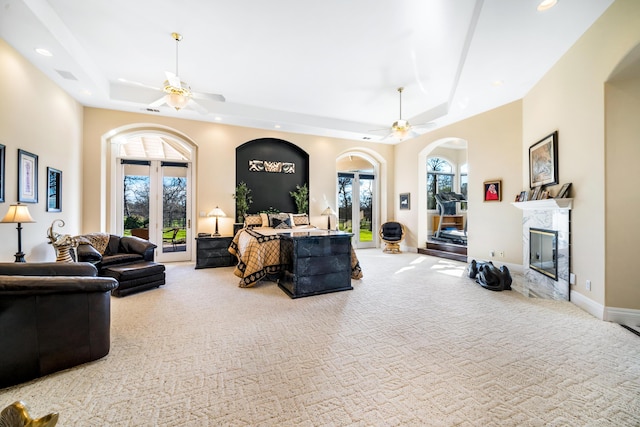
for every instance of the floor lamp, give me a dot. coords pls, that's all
(217, 212)
(18, 214)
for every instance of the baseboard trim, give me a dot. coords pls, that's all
(590, 306)
(623, 316)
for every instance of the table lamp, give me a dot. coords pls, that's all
(18, 214)
(328, 212)
(217, 212)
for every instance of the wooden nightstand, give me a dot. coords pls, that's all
(214, 252)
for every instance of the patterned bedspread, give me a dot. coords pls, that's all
(258, 255)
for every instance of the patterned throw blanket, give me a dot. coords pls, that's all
(99, 241)
(259, 255)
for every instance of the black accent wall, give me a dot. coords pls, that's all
(271, 189)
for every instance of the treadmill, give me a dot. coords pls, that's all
(447, 205)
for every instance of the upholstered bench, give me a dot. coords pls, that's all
(135, 277)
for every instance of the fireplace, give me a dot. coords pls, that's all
(543, 252)
(546, 236)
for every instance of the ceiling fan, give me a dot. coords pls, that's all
(402, 128)
(178, 94)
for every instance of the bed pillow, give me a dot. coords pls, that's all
(252, 220)
(279, 221)
(299, 219)
(265, 219)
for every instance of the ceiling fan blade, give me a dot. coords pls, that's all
(144, 85)
(199, 108)
(172, 79)
(209, 96)
(158, 102)
(425, 125)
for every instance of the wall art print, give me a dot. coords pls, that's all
(269, 166)
(27, 177)
(493, 190)
(405, 201)
(54, 190)
(543, 161)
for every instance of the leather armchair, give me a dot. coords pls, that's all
(52, 316)
(391, 234)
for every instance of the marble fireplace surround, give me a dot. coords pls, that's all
(549, 214)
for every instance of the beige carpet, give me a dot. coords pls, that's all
(415, 343)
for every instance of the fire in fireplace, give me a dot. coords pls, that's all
(543, 252)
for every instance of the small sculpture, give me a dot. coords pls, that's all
(62, 243)
(17, 415)
(489, 276)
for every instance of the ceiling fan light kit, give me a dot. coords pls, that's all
(178, 92)
(400, 127)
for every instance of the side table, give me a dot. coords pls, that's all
(213, 252)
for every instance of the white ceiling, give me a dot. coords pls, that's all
(324, 67)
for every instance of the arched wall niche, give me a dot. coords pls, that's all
(270, 190)
(423, 212)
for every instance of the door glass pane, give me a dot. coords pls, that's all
(136, 200)
(174, 209)
(345, 206)
(366, 208)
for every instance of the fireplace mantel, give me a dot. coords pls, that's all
(544, 204)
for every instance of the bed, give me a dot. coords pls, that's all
(283, 255)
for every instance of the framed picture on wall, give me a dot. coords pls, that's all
(405, 200)
(2, 150)
(27, 177)
(493, 191)
(54, 190)
(543, 161)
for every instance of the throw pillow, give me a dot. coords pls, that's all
(253, 220)
(300, 219)
(279, 221)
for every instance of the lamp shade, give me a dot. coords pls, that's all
(216, 212)
(328, 211)
(18, 214)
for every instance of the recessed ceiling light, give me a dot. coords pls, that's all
(277, 126)
(43, 52)
(218, 118)
(497, 83)
(546, 5)
(86, 92)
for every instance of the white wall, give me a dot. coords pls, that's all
(571, 99)
(494, 152)
(37, 116)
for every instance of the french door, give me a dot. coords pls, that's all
(155, 199)
(356, 207)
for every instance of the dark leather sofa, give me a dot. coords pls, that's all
(53, 316)
(129, 260)
(120, 250)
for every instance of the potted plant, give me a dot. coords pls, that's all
(243, 200)
(301, 197)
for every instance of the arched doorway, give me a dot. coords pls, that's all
(151, 180)
(453, 151)
(358, 198)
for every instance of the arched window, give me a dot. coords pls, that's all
(440, 177)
